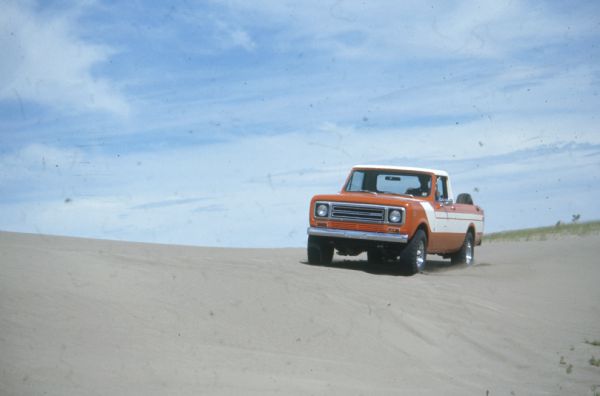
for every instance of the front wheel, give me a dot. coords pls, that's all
(414, 255)
(318, 252)
(466, 254)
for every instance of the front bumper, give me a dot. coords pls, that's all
(348, 234)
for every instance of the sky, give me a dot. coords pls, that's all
(213, 123)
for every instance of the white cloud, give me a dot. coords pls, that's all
(242, 39)
(43, 61)
(392, 29)
(255, 191)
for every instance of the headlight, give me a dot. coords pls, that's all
(322, 210)
(395, 216)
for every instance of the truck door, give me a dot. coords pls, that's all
(439, 231)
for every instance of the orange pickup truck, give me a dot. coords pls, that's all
(395, 213)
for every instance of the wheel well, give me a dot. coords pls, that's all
(471, 229)
(425, 229)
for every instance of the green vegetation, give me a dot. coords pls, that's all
(543, 233)
(594, 343)
(562, 361)
(595, 362)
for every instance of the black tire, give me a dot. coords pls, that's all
(313, 252)
(466, 254)
(318, 252)
(414, 255)
(375, 257)
(326, 254)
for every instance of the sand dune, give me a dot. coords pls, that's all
(89, 317)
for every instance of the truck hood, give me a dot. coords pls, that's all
(367, 198)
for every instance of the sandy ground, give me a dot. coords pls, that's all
(88, 317)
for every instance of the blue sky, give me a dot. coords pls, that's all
(214, 122)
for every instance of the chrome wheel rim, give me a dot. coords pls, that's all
(469, 254)
(420, 256)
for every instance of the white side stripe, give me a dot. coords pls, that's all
(451, 221)
(430, 213)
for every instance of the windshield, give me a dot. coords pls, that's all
(390, 182)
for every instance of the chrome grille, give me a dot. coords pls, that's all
(371, 214)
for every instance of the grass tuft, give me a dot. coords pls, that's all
(594, 342)
(542, 233)
(595, 362)
(562, 361)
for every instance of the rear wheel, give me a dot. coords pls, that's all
(466, 254)
(318, 251)
(414, 255)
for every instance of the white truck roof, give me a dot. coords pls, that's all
(403, 168)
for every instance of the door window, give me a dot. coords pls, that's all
(441, 188)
